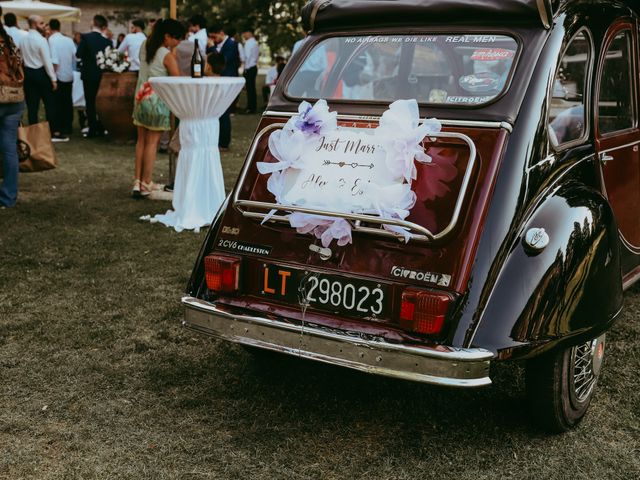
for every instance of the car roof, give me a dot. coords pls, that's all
(415, 16)
(328, 15)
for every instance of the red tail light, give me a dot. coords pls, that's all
(222, 273)
(424, 311)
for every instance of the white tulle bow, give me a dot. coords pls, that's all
(401, 134)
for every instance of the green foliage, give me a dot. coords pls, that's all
(276, 22)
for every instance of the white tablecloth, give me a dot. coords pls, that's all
(199, 185)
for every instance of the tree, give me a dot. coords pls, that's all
(276, 22)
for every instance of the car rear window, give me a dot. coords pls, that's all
(434, 69)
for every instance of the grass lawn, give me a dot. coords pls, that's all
(99, 380)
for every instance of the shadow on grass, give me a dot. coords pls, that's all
(263, 389)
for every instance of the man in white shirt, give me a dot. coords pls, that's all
(63, 57)
(198, 31)
(132, 43)
(251, 54)
(11, 26)
(39, 75)
(271, 78)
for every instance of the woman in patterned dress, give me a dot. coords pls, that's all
(150, 114)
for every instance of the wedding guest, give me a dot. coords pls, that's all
(184, 54)
(271, 78)
(10, 114)
(311, 71)
(150, 113)
(132, 43)
(39, 75)
(108, 34)
(215, 65)
(251, 54)
(197, 31)
(90, 44)
(11, 27)
(120, 39)
(78, 89)
(228, 47)
(63, 56)
(231, 32)
(150, 25)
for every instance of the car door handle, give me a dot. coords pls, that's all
(605, 157)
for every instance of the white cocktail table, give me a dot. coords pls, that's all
(199, 184)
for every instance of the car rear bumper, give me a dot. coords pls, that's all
(454, 367)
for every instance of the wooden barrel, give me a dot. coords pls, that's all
(114, 104)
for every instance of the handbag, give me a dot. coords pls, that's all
(35, 149)
(11, 74)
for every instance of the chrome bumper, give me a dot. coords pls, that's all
(447, 366)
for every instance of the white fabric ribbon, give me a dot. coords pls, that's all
(326, 229)
(393, 202)
(400, 133)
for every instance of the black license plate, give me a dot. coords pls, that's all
(334, 293)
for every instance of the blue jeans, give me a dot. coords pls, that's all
(10, 115)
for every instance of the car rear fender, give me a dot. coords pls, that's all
(571, 288)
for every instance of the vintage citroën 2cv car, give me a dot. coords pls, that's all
(437, 186)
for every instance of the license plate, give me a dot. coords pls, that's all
(335, 293)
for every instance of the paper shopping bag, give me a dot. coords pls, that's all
(35, 149)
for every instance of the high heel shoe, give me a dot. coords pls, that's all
(147, 188)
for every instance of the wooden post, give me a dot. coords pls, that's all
(173, 9)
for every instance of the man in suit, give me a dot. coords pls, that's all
(228, 47)
(90, 44)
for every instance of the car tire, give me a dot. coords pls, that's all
(561, 384)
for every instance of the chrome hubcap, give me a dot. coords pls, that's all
(587, 362)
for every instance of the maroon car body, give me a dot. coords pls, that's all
(525, 227)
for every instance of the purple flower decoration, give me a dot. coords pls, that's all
(315, 119)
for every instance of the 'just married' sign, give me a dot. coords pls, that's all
(335, 170)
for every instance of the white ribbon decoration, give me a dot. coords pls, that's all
(401, 134)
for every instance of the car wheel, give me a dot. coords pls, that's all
(561, 384)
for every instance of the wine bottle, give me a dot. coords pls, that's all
(197, 63)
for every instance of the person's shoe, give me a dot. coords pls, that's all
(58, 137)
(135, 190)
(168, 188)
(147, 188)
